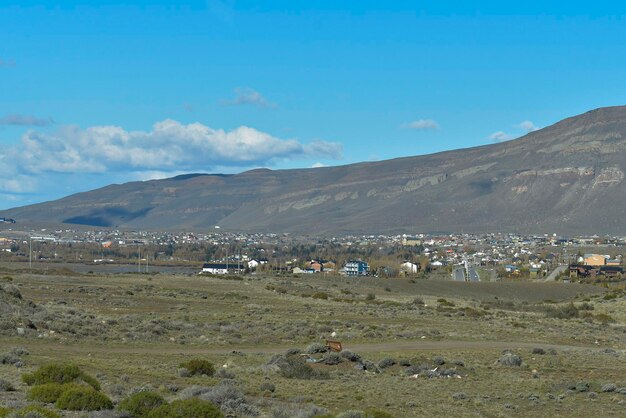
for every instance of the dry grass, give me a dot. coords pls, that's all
(149, 325)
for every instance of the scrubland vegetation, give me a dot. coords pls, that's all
(173, 346)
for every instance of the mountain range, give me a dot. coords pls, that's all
(566, 178)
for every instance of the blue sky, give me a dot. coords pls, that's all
(114, 92)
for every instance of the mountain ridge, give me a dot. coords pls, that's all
(567, 177)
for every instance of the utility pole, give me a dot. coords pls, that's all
(30, 253)
(139, 259)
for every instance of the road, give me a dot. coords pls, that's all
(552, 276)
(459, 275)
(389, 346)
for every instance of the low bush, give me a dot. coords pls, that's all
(187, 408)
(230, 399)
(297, 368)
(332, 359)
(199, 367)
(267, 387)
(225, 374)
(444, 302)
(59, 373)
(49, 392)
(31, 411)
(368, 413)
(386, 362)
(299, 410)
(9, 358)
(510, 360)
(320, 295)
(316, 348)
(377, 413)
(562, 312)
(6, 386)
(83, 399)
(604, 318)
(141, 404)
(350, 356)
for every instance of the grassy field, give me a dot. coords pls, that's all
(422, 347)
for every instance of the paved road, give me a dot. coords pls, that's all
(459, 275)
(552, 276)
(473, 275)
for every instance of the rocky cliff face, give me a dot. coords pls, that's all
(567, 178)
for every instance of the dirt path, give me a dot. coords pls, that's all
(392, 346)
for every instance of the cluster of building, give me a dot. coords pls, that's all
(351, 268)
(515, 254)
(593, 265)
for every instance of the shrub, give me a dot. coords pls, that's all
(351, 414)
(59, 373)
(49, 392)
(187, 408)
(350, 356)
(297, 410)
(293, 351)
(320, 295)
(316, 348)
(510, 360)
(370, 297)
(439, 361)
(140, 404)
(12, 290)
(386, 362)
(6, 386)
(32, 411)
(267, 387)
(4, 412)
(199, 366)
(562, 312)
(9, 358)
(225, 374)
(83, 399)
(604, 318)
(377, 413)
(297, 368)
(332, 359)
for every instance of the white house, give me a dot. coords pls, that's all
(409, 267)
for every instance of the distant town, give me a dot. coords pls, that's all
(460, 257)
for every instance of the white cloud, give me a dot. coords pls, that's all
(18, 184)
(422, 124)
(525, 126)
(25, 120)
(528, 126)
(169, 147)
(318, 165)
(500, 136)
(248, 96)
(156, 175)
